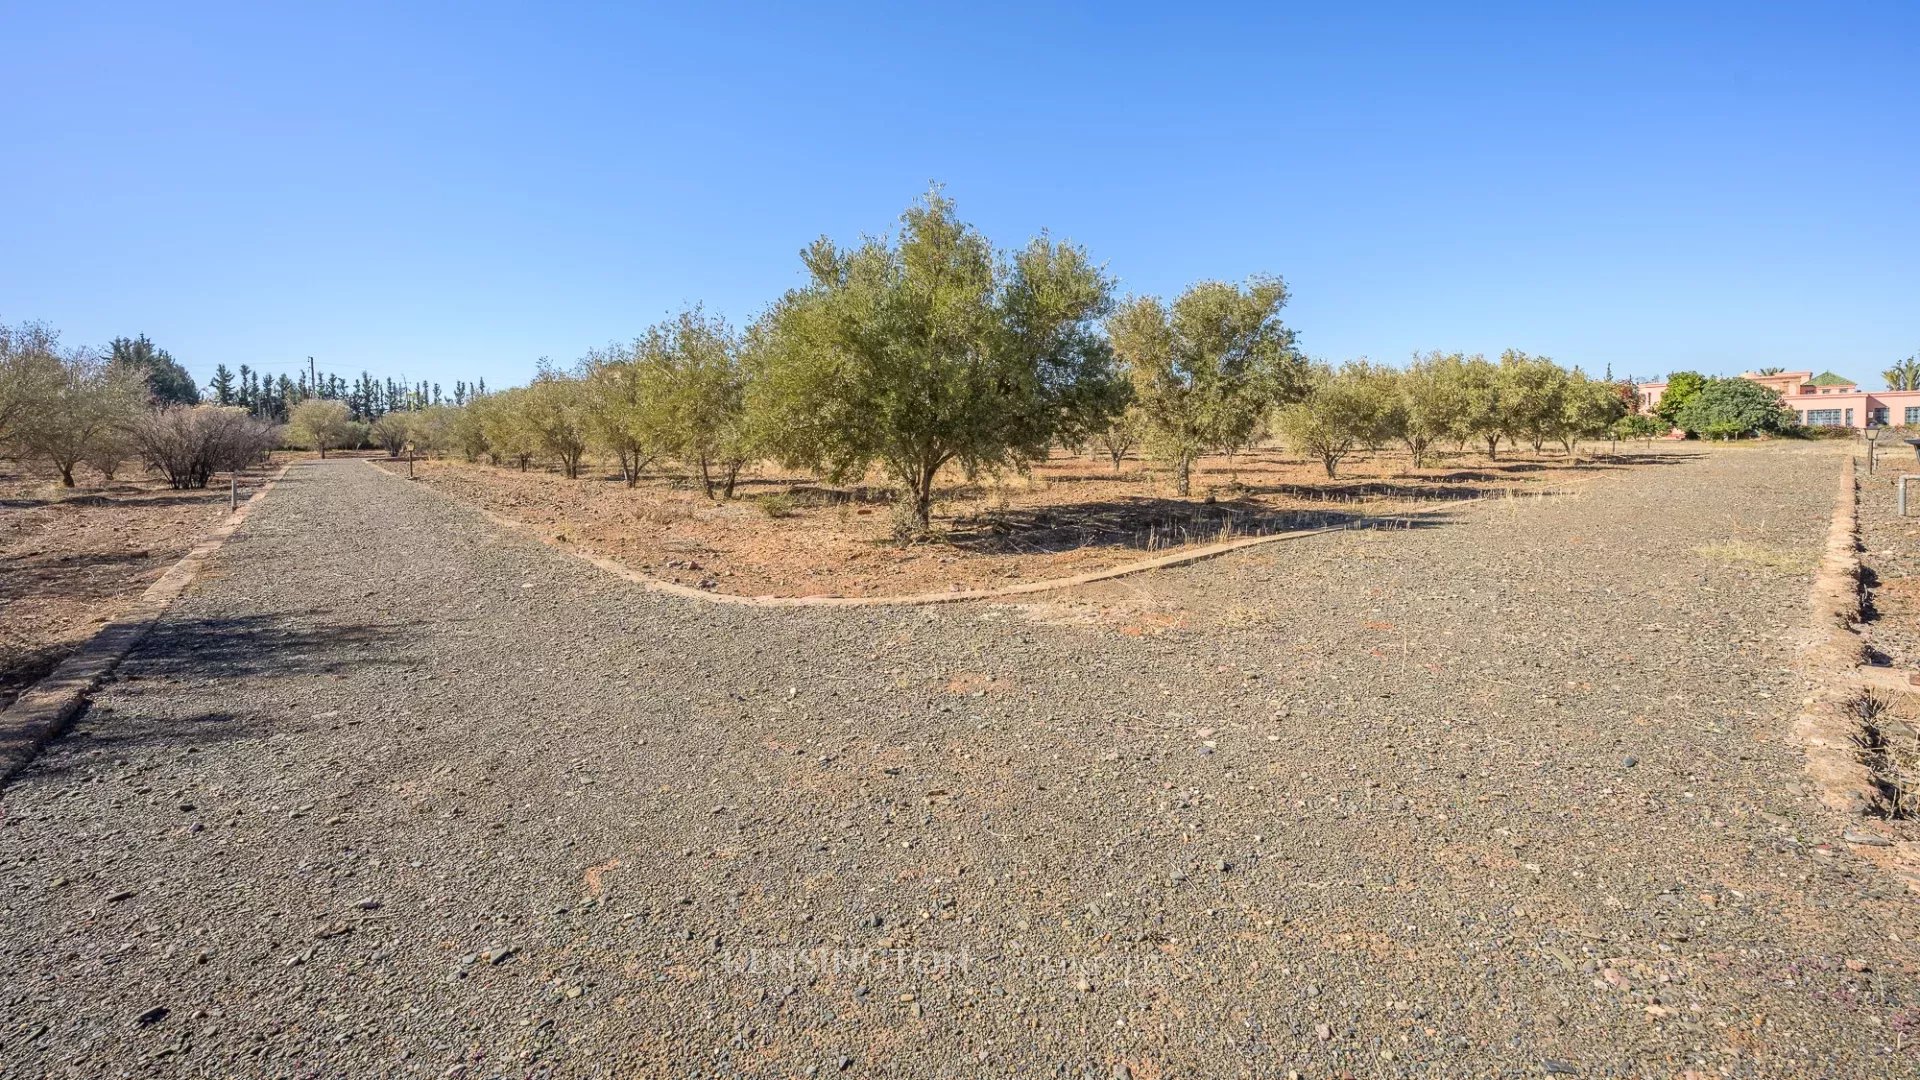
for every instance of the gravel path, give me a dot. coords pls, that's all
(392, 792)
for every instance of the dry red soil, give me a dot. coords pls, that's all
(1069, 515)
(73, 558)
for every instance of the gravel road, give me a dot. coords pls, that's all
(392, 792)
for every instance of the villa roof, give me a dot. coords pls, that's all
(1828, 378)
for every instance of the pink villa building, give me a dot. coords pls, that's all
(1825, 400)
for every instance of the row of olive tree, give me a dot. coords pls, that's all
(66, 407)
(911, 353)
(929, 349)
(1439, 399)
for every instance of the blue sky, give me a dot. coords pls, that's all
(451, 191)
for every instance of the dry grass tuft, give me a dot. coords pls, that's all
(1760, 556)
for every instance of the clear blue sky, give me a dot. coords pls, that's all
(448, 191)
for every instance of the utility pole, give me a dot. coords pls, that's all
(313, 377)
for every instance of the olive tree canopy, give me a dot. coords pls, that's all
(1206, 368)
(930, 348)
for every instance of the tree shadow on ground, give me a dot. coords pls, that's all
(1372, 489)
(296, 643)
(56, 577)
(1147, 525)
(105, 500)
(102, 734)
(211, 649)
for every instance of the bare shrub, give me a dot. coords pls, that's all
(189, 443)
(108, 453)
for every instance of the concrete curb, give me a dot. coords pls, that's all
(43, 712)
(912, 599)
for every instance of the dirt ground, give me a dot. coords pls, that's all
(788, 535)
(1513, 794)
(73, 558)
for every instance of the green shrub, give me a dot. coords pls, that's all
(777, 504)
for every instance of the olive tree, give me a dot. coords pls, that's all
(621, 402)
(1120, 434)
(1433, 404)
(1643, 426)
(503, 424)
(928, 348)
(1588, 410)
(1533, 393)
(702, 388)
(29, 355)
(1379, 385)
(1205, 368)
(434, 429)
(554, 409)
(464, 431)
(74, 402)
(1479, 417)
(1339, 410)
(323, 424)
(392, 431)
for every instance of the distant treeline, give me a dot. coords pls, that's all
(273, 398)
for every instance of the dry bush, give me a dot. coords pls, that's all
(189, 443)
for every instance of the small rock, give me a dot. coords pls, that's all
(1558, 1068)
(499, 954)
(367, 903)
(1857, 965)
(123, 894)
(152, 1016)
(1323, 1032)
(1865, 838)
(1629, 761)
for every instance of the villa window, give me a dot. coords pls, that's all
(1824, 417)
(1912, 417)
(1877, 417)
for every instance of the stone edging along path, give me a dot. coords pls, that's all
(911, 599)
(45, 709)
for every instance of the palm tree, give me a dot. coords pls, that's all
(1771, 371)
(1904, 375)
